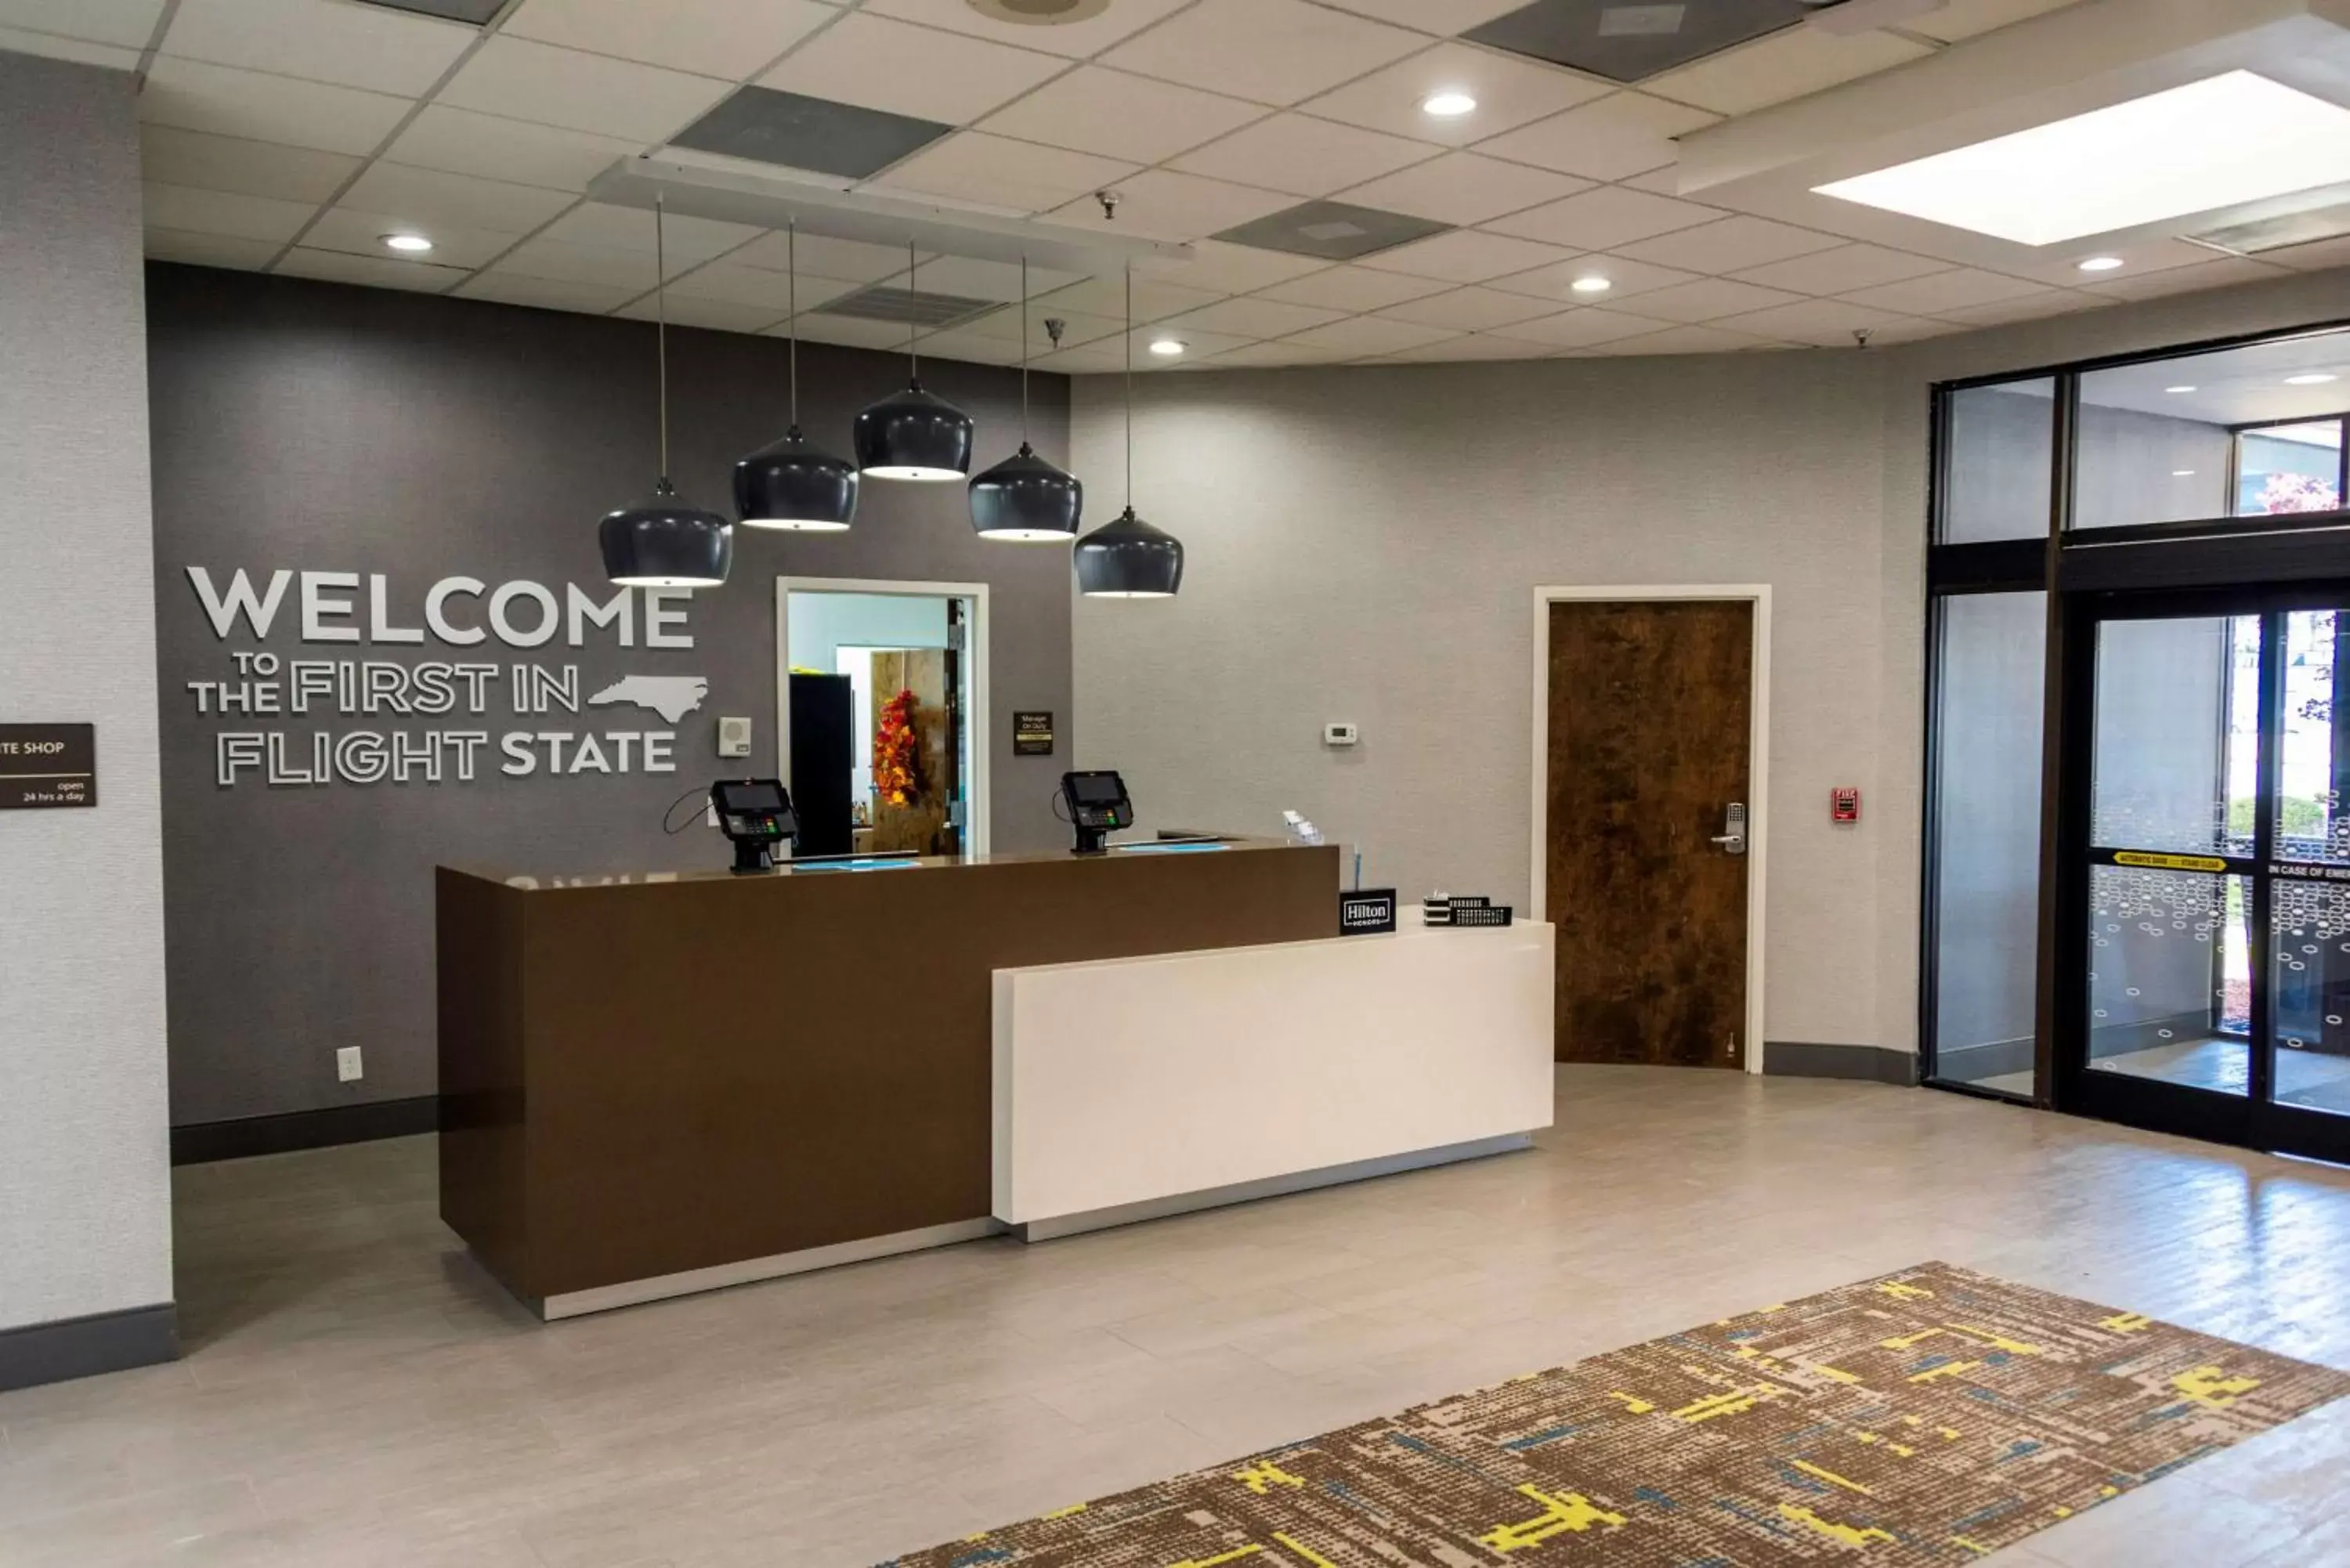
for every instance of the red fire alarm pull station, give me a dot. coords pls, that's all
(1843, 805)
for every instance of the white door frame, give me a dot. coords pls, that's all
(1758, 800)
(977, 830)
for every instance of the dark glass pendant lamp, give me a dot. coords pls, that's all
(789, 483)
(663, 543)
(1126, 558)
(1025, 498)
(912, 434)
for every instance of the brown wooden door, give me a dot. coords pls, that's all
(1648, 740)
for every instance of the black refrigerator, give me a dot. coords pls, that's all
(821, 765)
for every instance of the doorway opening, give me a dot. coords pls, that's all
(1651, 760)
(882, 711)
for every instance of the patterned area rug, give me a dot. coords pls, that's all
(1930, 1417)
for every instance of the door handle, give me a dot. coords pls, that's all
(1732, 837)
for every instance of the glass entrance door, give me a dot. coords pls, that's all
(2210, 963)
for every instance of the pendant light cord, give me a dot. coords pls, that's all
(792, 305)
(660, 329)
(1129, 386)
(1023, 351)
(913, 359)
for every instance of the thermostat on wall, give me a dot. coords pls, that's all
(1340, 734)
(734, 737)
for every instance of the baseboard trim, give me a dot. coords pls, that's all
(1869, 1063)
(41, 1352)
(200, 1143)
(1990, 1059)
(724, 1276)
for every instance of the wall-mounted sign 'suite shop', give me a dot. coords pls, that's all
(263, 697)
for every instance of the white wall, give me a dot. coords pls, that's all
(85, 1179)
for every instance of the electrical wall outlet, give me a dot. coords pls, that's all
(734, 737)
(348, 1068)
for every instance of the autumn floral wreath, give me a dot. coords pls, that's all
(895, 753)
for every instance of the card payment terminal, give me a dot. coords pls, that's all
(756, 814)
(1097, 805)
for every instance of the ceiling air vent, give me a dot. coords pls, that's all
(2275, 234)
(910, 307)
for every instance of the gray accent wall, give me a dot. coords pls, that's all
(312, 427)
(85, 1179)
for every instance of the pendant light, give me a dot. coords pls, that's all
(1025, 498)
(663, 543)
(913, 435)
(789, 483)
(1128, 558)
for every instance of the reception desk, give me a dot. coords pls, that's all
(659, 1084)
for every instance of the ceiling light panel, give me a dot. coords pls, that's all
(2229, 139)
(1631, 40)
(1335, 230)
(769, 126)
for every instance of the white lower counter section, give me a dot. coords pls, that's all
(1142, 1086)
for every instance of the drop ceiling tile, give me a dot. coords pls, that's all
(1467, 255)
(460, 142)
(1272, 51)
(561, 261)
(126, 24)
(523, 81)
(2060, 265)
(975, 279)
(1509, 92)
(1333, 230)
(258, 106)
(1712, 299)
(2029, 307)
(1688, 340)
(1255, 317)
(1823, 323)
(1969, 19)
(1730, 245)
(224, 212)
(210, 250)
(1462, 188)
(631, 229)
(1279, 355)
(1116, 115)
(881, 64)
(839, 142)
(1153, 299)
(2187, 279)
(374, 272)
(1939, 291)
(1167, 205)
(57, 46)
(1842, 270)
(1197, 345)
(1076, 40)
(1076, 327)
(1469, 345)
(1664, 181)
(358, 232)
(1471, 309)
(427, 199)
(756, 285)
(1228, 268)
(971, 347)
(1359, 335)
(1603, 219)
(1786, 64)
(994, 171)
(717, 315)
(2315, 256)
(852, 261)
(545, 293)
(850, 330)
(320, 40)
(726, 38)
(1302, 155)
(1354, 288)
(173, 157)
(1583, 328)
(1623, 134)
(1556, 281)
(1443, 18)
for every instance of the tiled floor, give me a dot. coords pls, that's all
(2224, 1067)
(357, 1395)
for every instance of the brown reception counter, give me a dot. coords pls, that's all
(672, 1083)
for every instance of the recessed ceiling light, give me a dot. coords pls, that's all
(2101, 264)
(2314, 378)
(1451, 104)
(1594, 284)
(414, 245)
(2182, 474)
(1167, 347)
(2233, 137)
(2177, 388)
